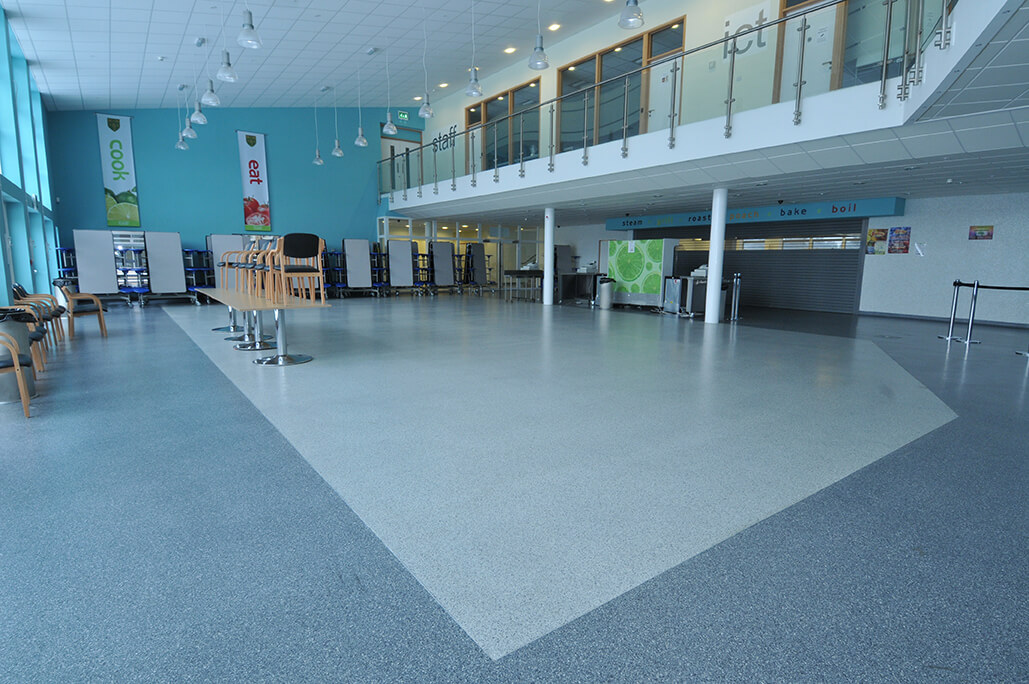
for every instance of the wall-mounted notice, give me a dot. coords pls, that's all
(877, 240)
(119, 170)
(980, 232)
(256, 212)
(900, 240)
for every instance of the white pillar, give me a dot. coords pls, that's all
(548, 257)
(713, 302)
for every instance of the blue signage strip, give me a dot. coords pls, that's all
(881, 206)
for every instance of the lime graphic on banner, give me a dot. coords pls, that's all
(636, 265)
(121, 201)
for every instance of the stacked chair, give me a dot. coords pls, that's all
(291, 268)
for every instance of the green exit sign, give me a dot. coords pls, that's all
(402, 116)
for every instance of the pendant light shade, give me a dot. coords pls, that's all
(389, 128)
(181, 144)
(225, 72)
(425, 111)
(210, 98)
(632, 16)
(337, 151)
(474, 89)
(188, 131)
(360, 140)
(248, 37)
(538, 59)
(318, 161)
(197, 116)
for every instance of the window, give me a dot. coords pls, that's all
(511, 126)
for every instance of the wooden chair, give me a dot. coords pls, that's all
(15, 364)
(83, 304)
(37, 333)
(297, 256)
(52, 308)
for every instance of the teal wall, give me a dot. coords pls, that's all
(199, 191)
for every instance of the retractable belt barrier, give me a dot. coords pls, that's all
(976, 286)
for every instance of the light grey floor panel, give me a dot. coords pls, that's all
(622, 445)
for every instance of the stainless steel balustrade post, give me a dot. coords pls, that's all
(404, 171)
(625, 120)
(729, 98)
(435, 171)
(904, 87)
(943, 35)
(392, 176)
(421, 169)
(673, 115)
(521, 145)
(496, 152)
(550, 167)
(886, 52)
(471, 155)
(453, 168)
(736, 280)
(953, 313)
(799, 85)
(378, 182)
(919, 41)
(586, 129)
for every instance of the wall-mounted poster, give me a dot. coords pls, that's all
(980, 232)
(877, 239)
(900, 240)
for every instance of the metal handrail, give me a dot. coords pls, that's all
(802, 14)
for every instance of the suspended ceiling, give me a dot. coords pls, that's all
(114, 54)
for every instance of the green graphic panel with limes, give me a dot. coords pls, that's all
(122, 208)
(635, 265)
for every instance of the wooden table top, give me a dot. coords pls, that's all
(241, 301)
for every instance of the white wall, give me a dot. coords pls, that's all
(585, 240)
(922, 285)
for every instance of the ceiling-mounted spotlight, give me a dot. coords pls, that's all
(473, 89)
(188, 131)
(225, 71)
(538, 58)
(197, 116)
(248, 37)
(210, 98)
(632, 15)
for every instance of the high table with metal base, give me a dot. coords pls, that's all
(253, 305)
(233, 326)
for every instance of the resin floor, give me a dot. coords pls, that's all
(463, 489)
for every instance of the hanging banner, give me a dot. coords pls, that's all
(119, 170)
(256, 214)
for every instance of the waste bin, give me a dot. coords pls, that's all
(605, 292)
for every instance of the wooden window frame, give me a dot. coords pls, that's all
(838, 49)
(508, 95)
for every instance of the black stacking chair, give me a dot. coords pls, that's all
(49, 310)
(297, 256)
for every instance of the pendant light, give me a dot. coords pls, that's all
(337, 151)
(225, 72)
(188, 131)
(360, 140)
(632, 15)
(538, 58)
(425, 111)
(389, 128)
(197, 116)
(248, 37)
(210, 98)
(473, 89)
(317, 161)
(181, 144)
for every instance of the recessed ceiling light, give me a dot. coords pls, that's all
(675, 26)
(500, 98)
(443, 85)
(532, 85)
(509, 50)
(417, 98)
(618, 49)
(571, 68)
(554, 27)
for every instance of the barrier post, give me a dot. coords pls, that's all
(735, 297)
(953, 313)
(971, 315)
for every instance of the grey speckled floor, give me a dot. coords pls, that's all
(591, 452)
(189, 540)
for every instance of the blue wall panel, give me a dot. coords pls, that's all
(199, 191)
